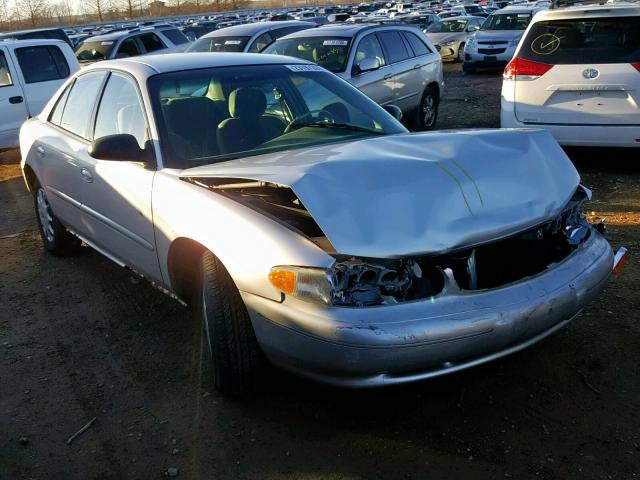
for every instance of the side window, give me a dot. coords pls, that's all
(42, 63)
(176, 36)
(128, 48)
(5, 75)
(151, 42)
(120, 110)
(56, 113)
(260, 43)
(76, 115)
(394, 46)
(369, 47)
(417, 45)
(281, 32)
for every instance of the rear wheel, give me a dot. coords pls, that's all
(55, 238)
(428, 111)
(234, 353)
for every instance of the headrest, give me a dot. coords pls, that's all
(247, 103)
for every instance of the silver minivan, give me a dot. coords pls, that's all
(392, 64)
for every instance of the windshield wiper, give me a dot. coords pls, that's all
(344, 126)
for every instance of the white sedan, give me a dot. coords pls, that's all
(305, 225)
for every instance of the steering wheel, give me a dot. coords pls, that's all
(319, 115)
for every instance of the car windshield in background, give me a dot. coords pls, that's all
(328, 52)
(507, 21)
(584, 41)
(219, 44)
(94, 51)
(212, 115)
(448, 26)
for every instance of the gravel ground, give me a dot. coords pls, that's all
(81, 339)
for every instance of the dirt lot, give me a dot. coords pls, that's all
(81, 339)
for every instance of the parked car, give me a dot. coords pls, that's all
(576, 74)
(450, 36)
(251, 37)
(467, 10)
(42, 33)
(131, 43)
(496, 41)
(421, 21)
(392, 64)
(304, 224)
(30, 73)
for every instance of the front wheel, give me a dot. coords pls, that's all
(234, 353)
(428, 110)
(55, 238)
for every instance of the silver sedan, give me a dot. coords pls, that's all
(450, 36)
(305, 225)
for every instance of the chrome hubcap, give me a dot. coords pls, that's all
(428, 110)
(45, 215)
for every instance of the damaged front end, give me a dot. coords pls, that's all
(363, 282)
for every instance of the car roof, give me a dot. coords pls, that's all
(461, 17)
(345, 29)
(250, 29)
(25, 42)
(123, 33)
(176, 62)
(516, 9)
(579, 11)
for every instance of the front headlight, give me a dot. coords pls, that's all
(515, 41)
(305, 283)
(471, 42)
(449, 43)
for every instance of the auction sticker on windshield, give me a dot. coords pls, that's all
(335, 43)
(305, 68)
(232, 42)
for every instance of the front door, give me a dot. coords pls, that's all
(12, 103)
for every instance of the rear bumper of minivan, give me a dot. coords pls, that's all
(580, 135)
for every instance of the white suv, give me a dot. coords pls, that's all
(576, 73)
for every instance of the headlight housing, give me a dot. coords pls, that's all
(515, 41)
(449, 43)
(471, 42)
(305, 283)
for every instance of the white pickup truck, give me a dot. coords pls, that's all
(30, 73)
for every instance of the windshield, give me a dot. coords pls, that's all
(506, 21)
(217, 114)
(94, 51)
(448, 26)
(472, 9)
(328, 52)
(219, 44)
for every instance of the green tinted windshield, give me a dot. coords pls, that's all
(448, 26)
(212, 115)
(507, 21)
(328, 52)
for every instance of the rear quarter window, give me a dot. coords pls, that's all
(176, 36)
(580, 41)
(42, 63)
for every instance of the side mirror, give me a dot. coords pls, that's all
(368, 64)
(123, 147)
(394, 111)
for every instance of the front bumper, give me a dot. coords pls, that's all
(375, 346)
(448, 52)
(490, 59)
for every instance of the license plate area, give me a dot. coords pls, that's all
(490, 58)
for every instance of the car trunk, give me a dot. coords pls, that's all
(585, 72)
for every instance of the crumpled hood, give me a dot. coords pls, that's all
(409, 194)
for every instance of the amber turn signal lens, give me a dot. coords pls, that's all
(284, 280)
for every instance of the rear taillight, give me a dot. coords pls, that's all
(636, 66)
(520, 69)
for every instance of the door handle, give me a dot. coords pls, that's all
(86, 175)
(416, 67)
(17, 99)
(41, 151)
(388, 76)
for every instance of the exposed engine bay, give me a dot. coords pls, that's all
(369, 282)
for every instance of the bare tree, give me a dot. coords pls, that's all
(32, 10)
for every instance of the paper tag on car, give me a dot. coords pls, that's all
(232, 42)
(305, 68)
(335, 43)
(106, 43)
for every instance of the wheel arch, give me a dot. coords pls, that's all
(183, 264)
(30, 178)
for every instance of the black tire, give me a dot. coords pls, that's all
(235, 356)
(427, 113)
(460, 57)
(55, 237)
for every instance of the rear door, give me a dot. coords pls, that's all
(407, 78)
(12, 104)
(43, 69)
(592, 72)
(378, 84)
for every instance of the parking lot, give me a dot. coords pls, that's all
(80, 338)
